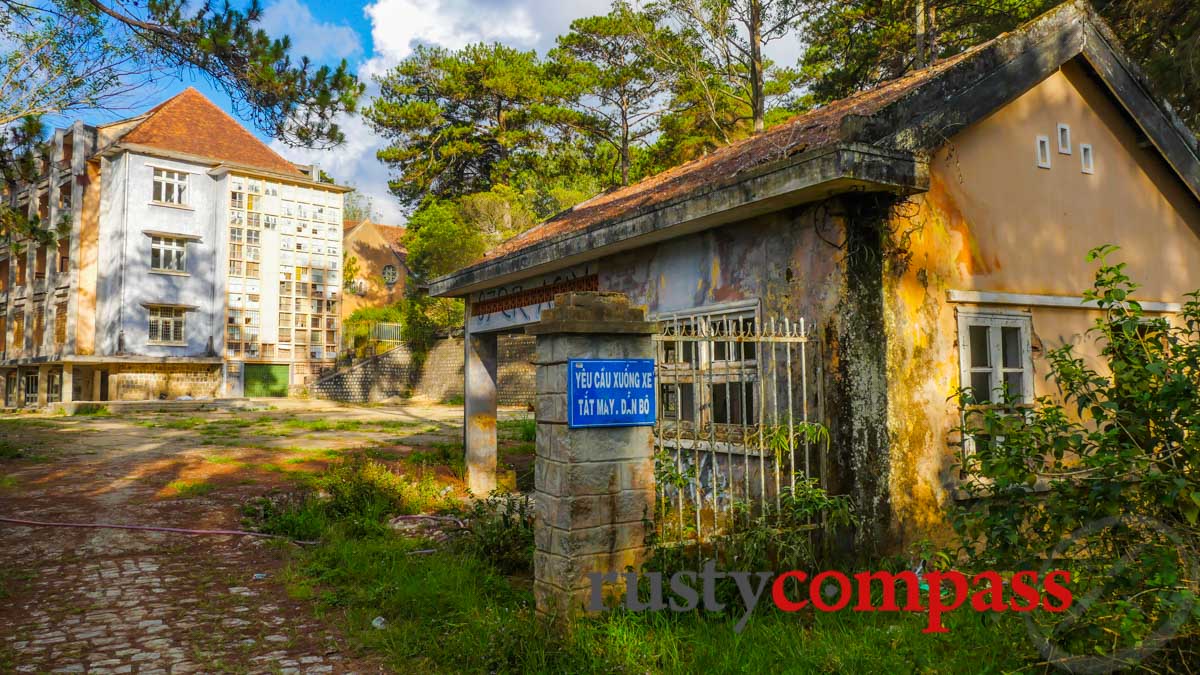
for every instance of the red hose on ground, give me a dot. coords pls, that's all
(149, 528)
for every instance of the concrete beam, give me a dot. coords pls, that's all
(806, 177)
(479, 412)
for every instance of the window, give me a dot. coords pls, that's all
(1043, 152)
(235, 234)
(1064, 139)
(166, 325)
(389, 274)
(168, 255)
(237, 200)
(726, 392)
(170, 187)
(1085, 157)
(253, 237)
(54, 387)
(31, 388)
(995, 356)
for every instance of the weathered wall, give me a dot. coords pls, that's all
(437, 377)
(148, 382)
(373, 252)
(125, 282)
(821, 263)
(994, 221)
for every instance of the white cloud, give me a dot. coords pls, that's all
(353, 163)
(398, 26)
(318, 40)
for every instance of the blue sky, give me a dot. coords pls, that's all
(373, 37)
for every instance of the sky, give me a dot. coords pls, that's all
(375, 36)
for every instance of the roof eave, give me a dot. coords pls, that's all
(806, 177)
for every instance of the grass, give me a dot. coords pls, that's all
(186, 489)
(8, 482)
(9, 450)
(92, 410)
(522, 430)
(449, 612)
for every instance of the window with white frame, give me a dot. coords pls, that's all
(170, 187)
(168, 254)
(166, 325)
(995, 356)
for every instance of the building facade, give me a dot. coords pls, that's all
(190, 261)
(932, 232)
(381, 259)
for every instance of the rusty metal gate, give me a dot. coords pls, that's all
(735, 431)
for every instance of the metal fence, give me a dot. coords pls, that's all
(734, 431)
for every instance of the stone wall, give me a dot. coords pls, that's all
(436, 377)
(150, 381)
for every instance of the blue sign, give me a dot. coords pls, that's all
(610, 393)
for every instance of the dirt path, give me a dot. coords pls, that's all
(84, 600)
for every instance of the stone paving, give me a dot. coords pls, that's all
(120, 601)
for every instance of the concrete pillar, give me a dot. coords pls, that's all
(95, 384)
(68, 383)
(43, 385)
(594, 487)
(479, 412)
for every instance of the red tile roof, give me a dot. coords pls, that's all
(394, 235)
(191, 124)
(807, 131)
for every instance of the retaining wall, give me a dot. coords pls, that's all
(437, 377)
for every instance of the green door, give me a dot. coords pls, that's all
(265, 379)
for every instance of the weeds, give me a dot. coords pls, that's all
(9, 450)
(92, 410)
(501, 533)
(524, 429)
(185, 489)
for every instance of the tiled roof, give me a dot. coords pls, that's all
(807, 131)
(189, 123)
(394, 235)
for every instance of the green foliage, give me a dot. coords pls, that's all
(614, 85)
(439, 241)
(186, 489)
(525, 428)
(350, 271)
(501, 533)
(10, 450)
(354, 497)
(92, 410)
(1110, 470)
(462, 121)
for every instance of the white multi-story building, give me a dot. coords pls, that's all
(191, 260)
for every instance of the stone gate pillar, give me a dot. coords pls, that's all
(594, 487)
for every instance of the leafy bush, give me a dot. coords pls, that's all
(355, 496)
(1107, 475)
(501, 532)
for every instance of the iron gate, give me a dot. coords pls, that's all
(734, 430)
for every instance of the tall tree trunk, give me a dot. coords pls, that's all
(624, 148)
(919, 61)
(758, 102)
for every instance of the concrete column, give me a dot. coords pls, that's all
(95, 384)
(594, 487)
(43, 385)
(479, 412)
(68, 383)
